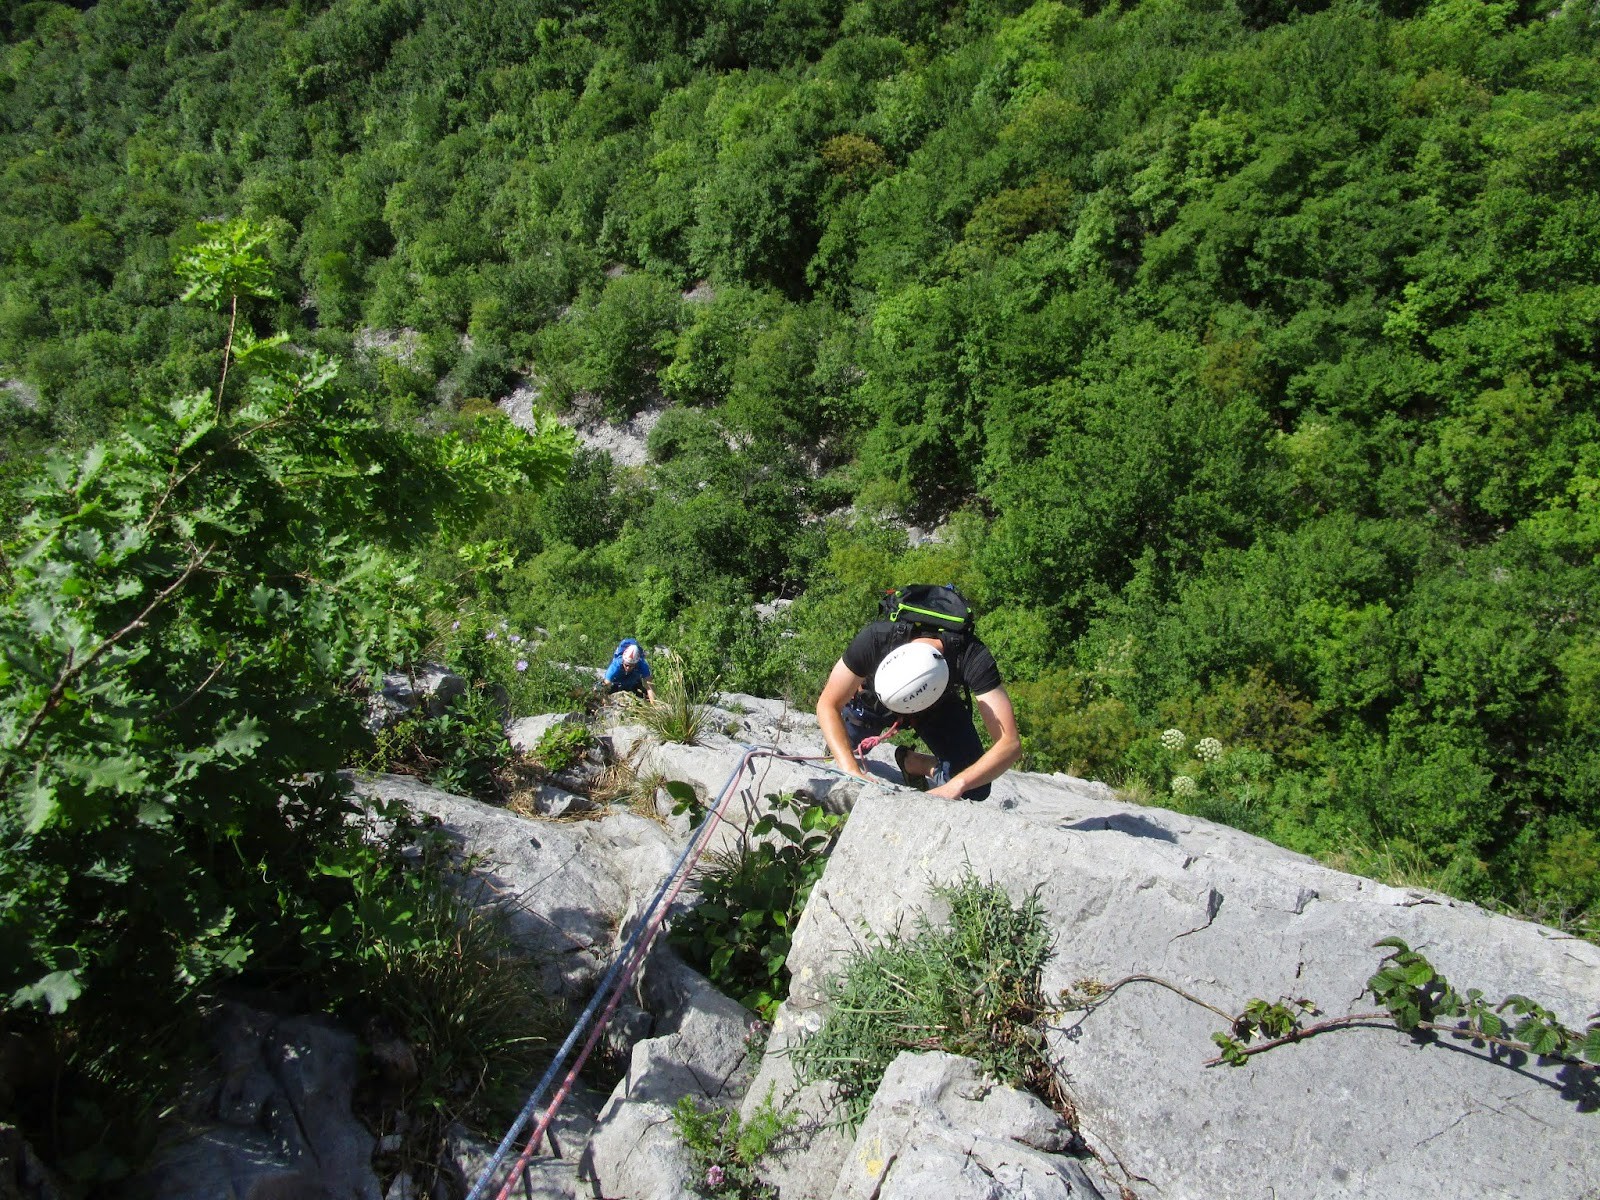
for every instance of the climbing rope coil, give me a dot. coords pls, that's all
(613, 986)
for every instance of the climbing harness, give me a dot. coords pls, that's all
(614, 984)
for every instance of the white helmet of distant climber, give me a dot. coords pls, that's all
(911, 678)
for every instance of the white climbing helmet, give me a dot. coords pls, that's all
(911, 678)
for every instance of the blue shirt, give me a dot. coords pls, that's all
(627, 679)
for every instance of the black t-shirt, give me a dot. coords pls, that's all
(970, 661)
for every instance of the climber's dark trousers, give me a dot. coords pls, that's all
(946, 729)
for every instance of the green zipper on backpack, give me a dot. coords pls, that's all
(926, 612)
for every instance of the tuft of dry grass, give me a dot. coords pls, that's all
(623, 783)
(1131, 788)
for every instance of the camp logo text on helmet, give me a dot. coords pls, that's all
(911, 678)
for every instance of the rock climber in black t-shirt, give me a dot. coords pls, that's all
(958, 765)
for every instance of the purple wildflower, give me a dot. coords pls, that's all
(490, 636)
(714, 1176)
(455, 624)
(522, 664)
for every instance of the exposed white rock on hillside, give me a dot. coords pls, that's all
(626, 441)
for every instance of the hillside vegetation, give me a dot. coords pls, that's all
(1245, 353)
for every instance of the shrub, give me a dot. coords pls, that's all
(460, 749)
(518, 667)
(970, 987)
(750, 900)
(409, 959)
(561, 746)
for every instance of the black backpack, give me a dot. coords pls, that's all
(935, 606)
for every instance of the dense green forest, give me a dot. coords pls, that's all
(1244, 354)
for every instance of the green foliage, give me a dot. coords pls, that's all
(189, 603)
(1260, 1019)
(725, 1152)
(561, 746)
(969, 987)
(750, 899)
(227, 263)
(625, 335)
(527, 673)
(459, 749)
(1421, 1001)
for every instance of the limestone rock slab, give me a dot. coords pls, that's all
(565, 885)
(1128, 890)
(938, 1127)
(275, 1123)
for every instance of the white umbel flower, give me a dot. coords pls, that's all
(1184, 787)
(1208, 749)
(1174, 740)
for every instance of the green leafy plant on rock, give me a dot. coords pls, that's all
(562, 746)
(461, 749)
(970, 986)
(454, 1011)
(725, 1152)
(751, 898)
(1420, 1000)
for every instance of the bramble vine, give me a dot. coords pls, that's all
(1416, 998)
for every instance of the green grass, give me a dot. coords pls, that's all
(678, 713)
(969, 987)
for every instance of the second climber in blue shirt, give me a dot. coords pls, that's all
(629, 672)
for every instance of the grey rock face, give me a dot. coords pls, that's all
(1359, 1112)
(432, 686)
(277, 1123)
(808, 1159)
(938, 1128)
(553, 1172)
(22, 1175)
(634, 1153)
(565, 885)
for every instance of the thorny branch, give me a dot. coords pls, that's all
(1304, 1032)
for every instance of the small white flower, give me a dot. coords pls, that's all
(1183, 787)
(1208, 749)
(1174, 739)
(455, 624)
